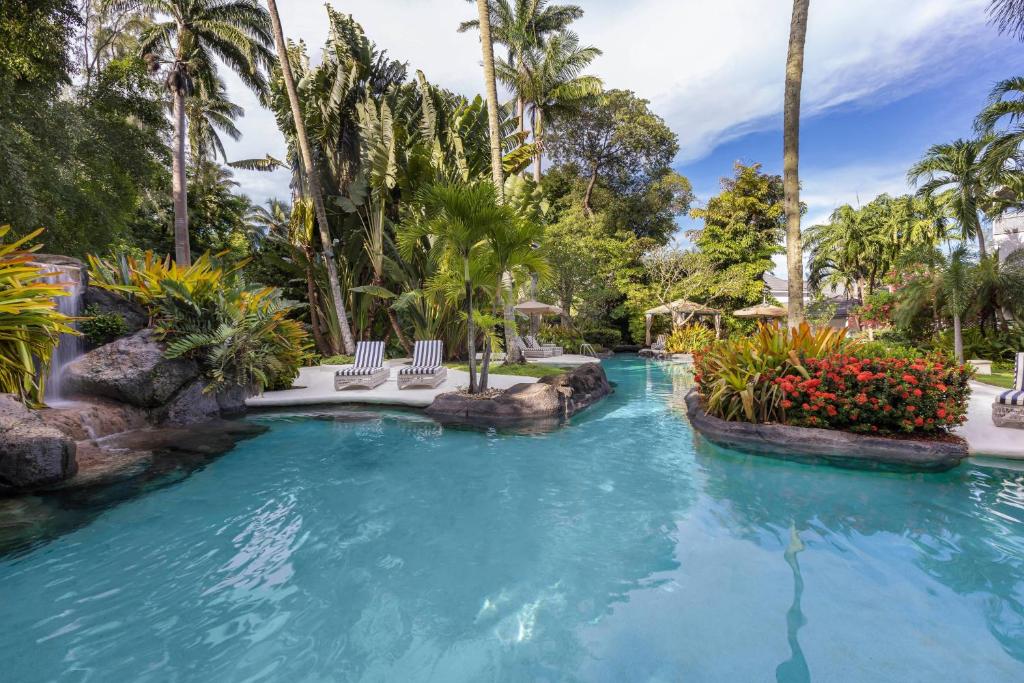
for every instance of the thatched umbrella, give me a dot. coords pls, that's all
(535, 309)
(679, 308)
(763, 311)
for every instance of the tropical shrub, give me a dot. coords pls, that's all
(30, 325)
(241, 336)
(818, 378)
(569, 339)
(101, 328)
(885, 349)
(993, 345)
(256, 346)
(875, 395)
(603, 336)
(690, 338)
(731, 375)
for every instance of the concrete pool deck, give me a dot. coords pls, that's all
(983, 437)
(315, 386)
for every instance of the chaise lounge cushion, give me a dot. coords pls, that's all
(426, 359)
(1015, 396)
(369, 360)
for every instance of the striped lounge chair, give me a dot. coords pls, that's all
(367, 372)
(1008, 409)
(427, 369)
(535, 349)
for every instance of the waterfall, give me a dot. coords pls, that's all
(69, 346)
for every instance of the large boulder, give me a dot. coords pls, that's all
(133, 314)
(552, 398)
(132, 370)
(32, 453)
(582, 387)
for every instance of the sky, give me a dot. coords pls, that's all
(883, 80)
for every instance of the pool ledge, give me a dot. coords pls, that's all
(831, 446)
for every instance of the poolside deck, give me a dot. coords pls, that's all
(983, 437)
(315, 386)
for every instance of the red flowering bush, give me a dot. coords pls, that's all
(875, 395)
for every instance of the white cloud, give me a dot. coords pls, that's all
(713, 70)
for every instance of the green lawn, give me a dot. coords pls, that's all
(528, 370)
(997, 379)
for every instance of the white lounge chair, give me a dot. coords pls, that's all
(659, 343)
(427, 369)
(367, 372)
(1008, 409)
(534, 349)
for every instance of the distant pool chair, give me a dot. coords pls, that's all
(659, 343)
(534, 349)
(367, 372)
(427, 369)
(1008, 409)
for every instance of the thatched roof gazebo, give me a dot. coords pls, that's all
(681, 311)
(763, 311)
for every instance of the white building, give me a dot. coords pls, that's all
(1008, 234)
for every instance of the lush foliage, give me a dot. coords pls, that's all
(733, 375)
(242, 336)
(690, 338)
(29, 322)
(568, 338)
(874, 395)
(101, 328)
(605, 337)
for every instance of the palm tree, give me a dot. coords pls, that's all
(197, 31)
(210, 116)
(957, 172)
(556, 85)
(458, 218)
(312, 182)
(1008, 16)
(487, 49)
(1006, 103)
(521, 26)
(791, 159)
(950, 286)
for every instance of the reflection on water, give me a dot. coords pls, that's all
(380, 545)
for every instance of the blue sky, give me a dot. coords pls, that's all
(884, 79)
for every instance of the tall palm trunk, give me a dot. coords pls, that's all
(312, 182)
(958, 338)
(791, 160)
(982, 252)
(487, 48)
(537, 125)
(179, 184)
(470, 327)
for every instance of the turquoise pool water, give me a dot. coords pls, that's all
(382, 547)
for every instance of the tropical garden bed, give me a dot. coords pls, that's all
(814, 393)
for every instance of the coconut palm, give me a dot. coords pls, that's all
(522, 26)
(791, 159)
(491, 88)
(312, 182)
(193, 35)
(1005, 106)
(556, 85)
(956, 172)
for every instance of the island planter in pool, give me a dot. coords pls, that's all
(830, 446)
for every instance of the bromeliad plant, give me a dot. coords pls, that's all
(30, 324)
(732, 376)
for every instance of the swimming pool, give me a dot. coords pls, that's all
(380, 546)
